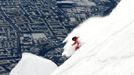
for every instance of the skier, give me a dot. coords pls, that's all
(76, 42)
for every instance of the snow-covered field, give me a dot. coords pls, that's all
(33, 65)
(107, 45)
(107, 48)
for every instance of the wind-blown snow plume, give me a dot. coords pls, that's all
(107, 44)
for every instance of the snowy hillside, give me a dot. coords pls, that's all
(33, 65)
(107, 45)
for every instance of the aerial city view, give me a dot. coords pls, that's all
(40, 26)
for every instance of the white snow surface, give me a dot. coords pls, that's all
(107, 45)
(31, 64)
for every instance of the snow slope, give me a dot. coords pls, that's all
(107, 45)
(33, 65)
